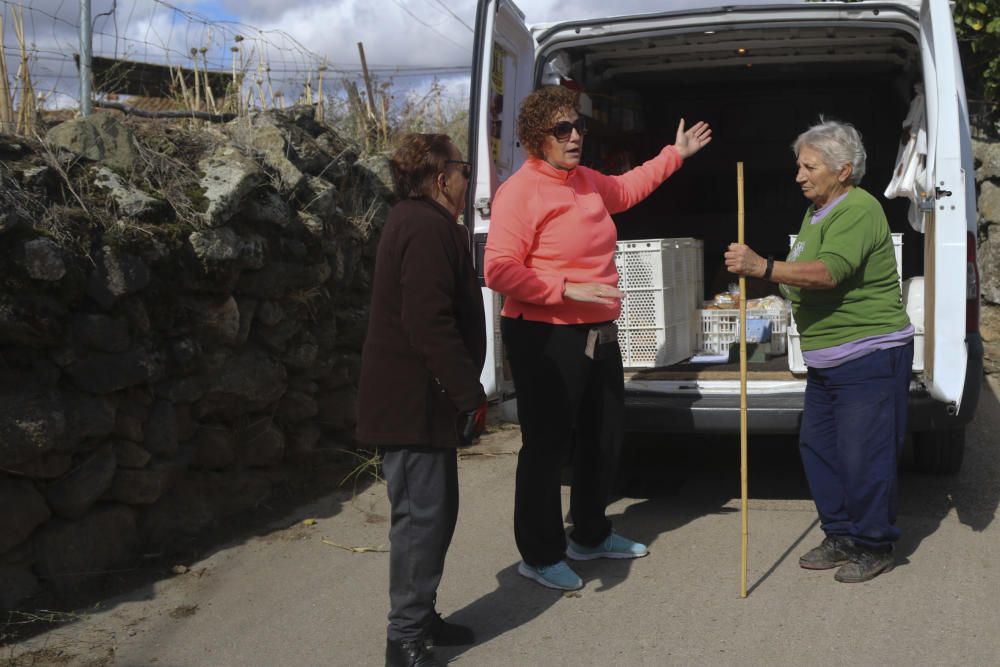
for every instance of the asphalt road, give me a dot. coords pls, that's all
(309, 595)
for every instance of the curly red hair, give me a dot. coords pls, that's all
(538, 113)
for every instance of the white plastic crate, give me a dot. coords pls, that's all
(660, 346)
(796, 363)
(720, 328)
(913, 300)
(663, 284)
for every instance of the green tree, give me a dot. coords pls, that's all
(977, 23)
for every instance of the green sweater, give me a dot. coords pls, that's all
(855, 244)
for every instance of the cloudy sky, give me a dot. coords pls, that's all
(432, 33)
(405, 40)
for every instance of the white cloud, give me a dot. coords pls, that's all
(416, 36)
(394, 31)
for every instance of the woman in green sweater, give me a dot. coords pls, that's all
(857, 341)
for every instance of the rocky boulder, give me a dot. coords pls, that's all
(70, 552)
(251, 377)
(43, 260)
(223, 245)
(132, 202)
(100, 137)
(74, 493)
(24, 510)
(30, 426)
(117, 274)
(229, 178)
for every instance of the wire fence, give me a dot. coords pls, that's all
(152, 52)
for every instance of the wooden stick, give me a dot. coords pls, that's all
(6, 96)
(743, 392)
(368, 81)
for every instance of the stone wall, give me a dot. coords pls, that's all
(987, 164)
(988, 183)
(181, 309)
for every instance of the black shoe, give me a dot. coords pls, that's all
(442, 633)
(833, 551)
(410, 653)
(865, 565)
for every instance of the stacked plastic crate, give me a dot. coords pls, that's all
(663, 284)
(720, 327)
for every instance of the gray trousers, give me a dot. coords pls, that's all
(423, 493)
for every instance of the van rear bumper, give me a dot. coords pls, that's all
(651, 412)
(665, 413)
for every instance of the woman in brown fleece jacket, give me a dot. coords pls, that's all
(420, 395)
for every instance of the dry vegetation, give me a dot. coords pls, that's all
(18, 104)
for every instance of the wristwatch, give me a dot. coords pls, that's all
(770, 267)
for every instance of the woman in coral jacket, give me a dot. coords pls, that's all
(420, 396)
(550, 252)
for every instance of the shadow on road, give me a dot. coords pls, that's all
(515, 602)
(974, 493)
(207, 512)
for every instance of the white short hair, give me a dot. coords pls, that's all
(838, 144)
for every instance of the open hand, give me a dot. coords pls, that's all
(592, 293)
(691, 141)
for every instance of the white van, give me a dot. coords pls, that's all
(760, 75)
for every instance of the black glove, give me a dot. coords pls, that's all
(471, 425)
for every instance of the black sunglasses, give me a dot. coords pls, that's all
(564, 129)
(466, 167)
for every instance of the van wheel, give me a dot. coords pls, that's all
(939, 452)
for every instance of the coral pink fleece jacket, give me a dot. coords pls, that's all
(552, 226)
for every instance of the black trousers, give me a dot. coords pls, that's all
(423, 493)
(570, 408)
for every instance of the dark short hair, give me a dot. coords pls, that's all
(538, 112)
(417, 162)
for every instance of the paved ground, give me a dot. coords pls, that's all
(309, 595)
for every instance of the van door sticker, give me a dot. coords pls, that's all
(496, 100)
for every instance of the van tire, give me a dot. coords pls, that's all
(939, 452)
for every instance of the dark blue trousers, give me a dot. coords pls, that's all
(853, 428)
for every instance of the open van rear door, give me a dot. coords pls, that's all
(502, 69)
(947, 206)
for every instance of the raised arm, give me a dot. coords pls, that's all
(622, 192)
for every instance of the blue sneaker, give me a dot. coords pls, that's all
(614, 546)
(558, 576)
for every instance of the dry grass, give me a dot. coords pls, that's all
(167, 152)
(368, 468)
(18, 105)
(379, 133)
(308, 299)
(364, 215)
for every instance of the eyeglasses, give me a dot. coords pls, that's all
(564, 129)
(466, 167)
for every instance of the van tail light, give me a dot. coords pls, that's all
(971, 286)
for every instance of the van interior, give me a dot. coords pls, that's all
(759, 89)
